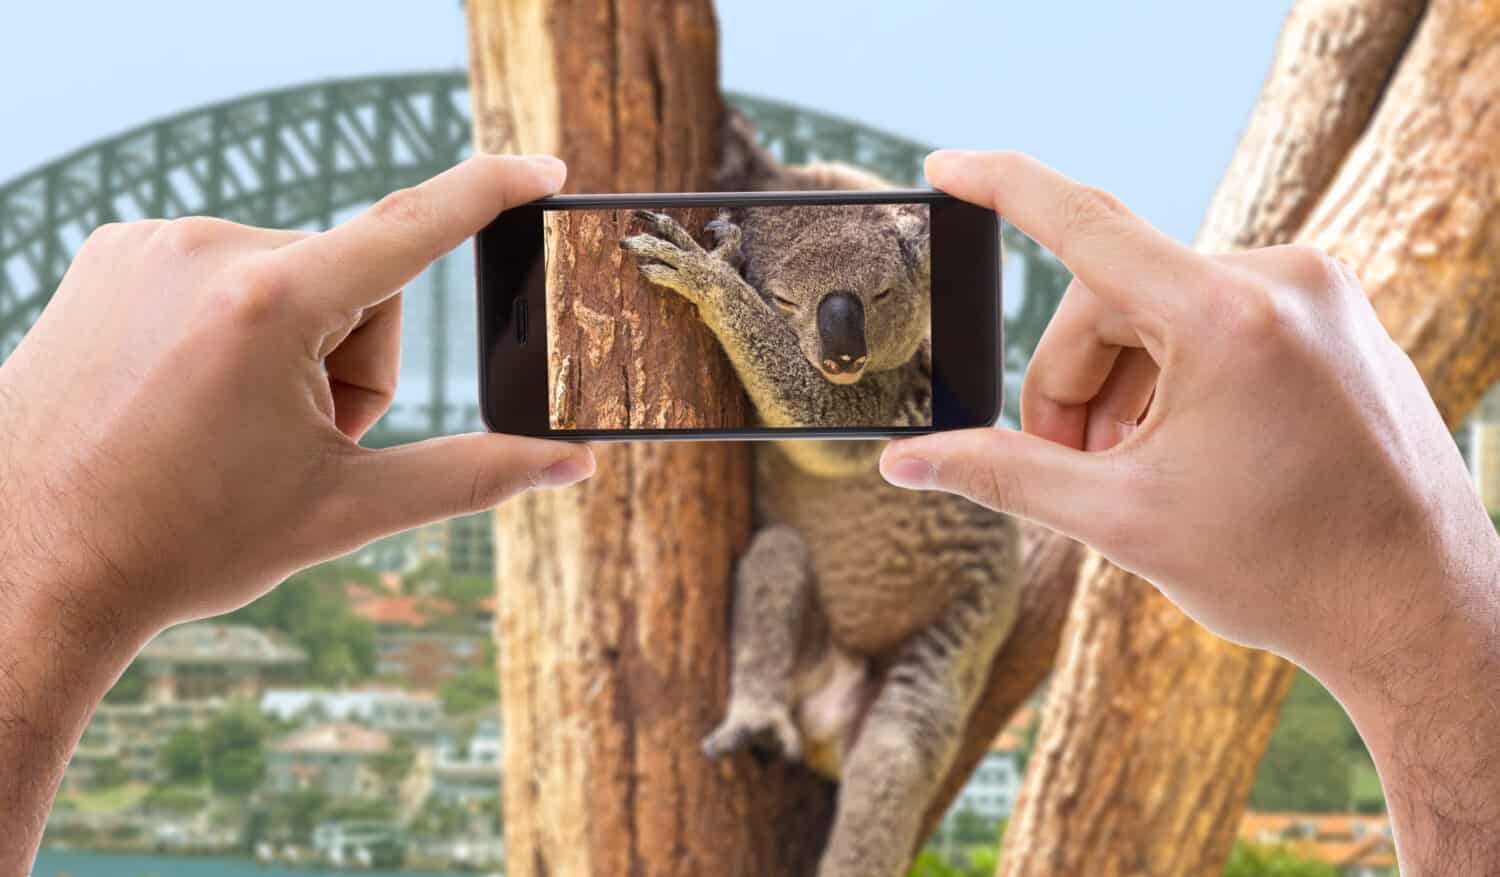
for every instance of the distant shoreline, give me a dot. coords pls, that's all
(53, 862)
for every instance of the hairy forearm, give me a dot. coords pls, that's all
(57, 659)
(1428, 706)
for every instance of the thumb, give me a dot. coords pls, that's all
(1076, 493)
(403, 487)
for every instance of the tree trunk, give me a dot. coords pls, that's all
(614, 595)
(1385, 150)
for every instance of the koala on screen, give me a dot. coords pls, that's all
(865, 618)
(825, 312)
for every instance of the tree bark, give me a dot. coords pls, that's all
(1331, 67)
(1153, 726)
(614, 595)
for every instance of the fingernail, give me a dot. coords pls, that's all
(551, 164)
(910, 472)
(569, 470)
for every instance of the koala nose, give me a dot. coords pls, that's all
(841, 332)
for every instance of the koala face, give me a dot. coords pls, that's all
(855, 284)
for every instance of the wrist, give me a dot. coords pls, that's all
(65, 622)
(1425, 697)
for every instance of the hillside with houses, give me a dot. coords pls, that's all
(351, 718)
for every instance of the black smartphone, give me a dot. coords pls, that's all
(842, 314)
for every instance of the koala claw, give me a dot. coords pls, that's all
(765, 730)
(668, 228)
(727, 238)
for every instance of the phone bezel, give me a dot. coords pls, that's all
(966, 254)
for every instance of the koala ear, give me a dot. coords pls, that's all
(914, 232)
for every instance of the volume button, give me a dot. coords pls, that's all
(519, 318)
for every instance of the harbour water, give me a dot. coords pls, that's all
(54, 863)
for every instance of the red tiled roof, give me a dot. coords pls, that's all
(401, 610)
(335, 737)
(1324, 837)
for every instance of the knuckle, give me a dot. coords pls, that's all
(102, 237)
(1255, 315)
(188, 236)
(1314, 270)
(259, 290)
(110, 234)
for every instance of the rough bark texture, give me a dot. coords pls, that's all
(611, 338)
(1153, 726)
(614, 595)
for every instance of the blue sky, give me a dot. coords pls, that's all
(1146, 99)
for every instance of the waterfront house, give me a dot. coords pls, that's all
(334, 758)
(206, 659)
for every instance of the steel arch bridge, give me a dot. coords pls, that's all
(308, 156)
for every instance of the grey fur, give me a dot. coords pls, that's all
(865, 618)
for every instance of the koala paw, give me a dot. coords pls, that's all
(764, 729)
(727, 238)
(672, 259)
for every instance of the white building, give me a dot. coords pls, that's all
(412, 714)
(991, 791)
(466, 765)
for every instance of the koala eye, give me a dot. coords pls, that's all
(785, 304)
(884, 294)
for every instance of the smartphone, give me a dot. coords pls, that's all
(843, 314)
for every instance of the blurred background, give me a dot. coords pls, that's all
(349, 718)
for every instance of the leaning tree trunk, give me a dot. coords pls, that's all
(614, 594)
(1383, 148)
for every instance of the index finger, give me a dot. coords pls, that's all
(1115, 253)
(369, 258)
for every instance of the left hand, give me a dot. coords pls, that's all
(179, 432)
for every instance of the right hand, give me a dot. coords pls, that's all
(1240, 430)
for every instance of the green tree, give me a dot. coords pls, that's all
(182, 756)
(393, 765)
(110, 774)
(434, 578)
(473, 689)
(179, 800)
(289, 817)
(969, 828)
(1309, 764)
(312, 609)
(233, 750)
(981, 861)
(129, 688)
(1249, 860)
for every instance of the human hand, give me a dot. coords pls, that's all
(1239, 430)
(179, 431)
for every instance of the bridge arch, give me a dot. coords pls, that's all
(307, 156)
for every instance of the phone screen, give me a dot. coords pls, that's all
(825, 314)
(832, 304)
